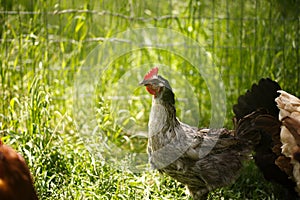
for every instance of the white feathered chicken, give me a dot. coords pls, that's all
(289, 114)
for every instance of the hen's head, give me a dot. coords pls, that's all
(157, 86)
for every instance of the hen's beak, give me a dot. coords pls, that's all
(146, 82)
(142, 82)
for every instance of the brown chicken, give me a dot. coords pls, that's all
(15, 179)
(202, 159)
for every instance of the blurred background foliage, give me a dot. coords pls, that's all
(43, 45)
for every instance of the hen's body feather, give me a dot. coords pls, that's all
(289, 106)
(203, 159)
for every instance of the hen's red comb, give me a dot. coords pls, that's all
(151, 73)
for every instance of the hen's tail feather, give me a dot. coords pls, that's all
(251, 126)
(261, 95)
(256, 114)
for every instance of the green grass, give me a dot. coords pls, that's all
(43, 53)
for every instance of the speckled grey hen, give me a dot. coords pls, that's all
(202, 159)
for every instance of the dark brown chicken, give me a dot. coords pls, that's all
(202, 159)
(15, 178)
(259, 108)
